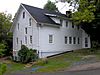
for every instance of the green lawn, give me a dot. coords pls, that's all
(60, 62)
(13, 66)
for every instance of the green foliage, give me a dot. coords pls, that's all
(27, 55)
(85, 12)
(2, 49)
(5, 24)
(50, 6)
(3, 68)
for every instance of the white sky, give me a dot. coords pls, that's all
(11, 6)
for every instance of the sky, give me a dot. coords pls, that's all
(11, 6)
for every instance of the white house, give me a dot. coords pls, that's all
(49, 32)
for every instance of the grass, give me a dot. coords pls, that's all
(13, 66)
(64, 61)
(60, 62)
(56, 63)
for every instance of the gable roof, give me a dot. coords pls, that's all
(40, 14)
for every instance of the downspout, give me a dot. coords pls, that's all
(38, 39)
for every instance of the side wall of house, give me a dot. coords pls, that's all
(19, 34)
(59, 33)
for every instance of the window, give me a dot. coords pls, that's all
(23, 15)
(21, 42)
(50, 38)
(25, 30)
(70, 40)
(74, 40)
(78, 27)
(72, 25)
(31, 39)
(78, 40)
(61, 21)
(25, 40)
(86, 42)
(17, 40)
(30, 21)
(65, 39)
(18, 26)
(66, 23)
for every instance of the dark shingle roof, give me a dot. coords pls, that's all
(39, 14)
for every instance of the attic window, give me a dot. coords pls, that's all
(23, 15)
(30, 21)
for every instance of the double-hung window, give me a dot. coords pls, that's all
(50, 38)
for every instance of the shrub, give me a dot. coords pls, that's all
(26, 55)
(3, 68)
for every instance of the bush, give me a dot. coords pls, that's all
(3, 68)
(26, 55)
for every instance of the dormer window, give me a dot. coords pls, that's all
(23, 15)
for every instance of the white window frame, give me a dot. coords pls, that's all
(25, 39)
(66, 23)
(70, 40)
(74, 40)
(50, 38)
(66, 39)
(17, 40)
(23, 15)
(30, 39)
(25, 30)
(30, 21)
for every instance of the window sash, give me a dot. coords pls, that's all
(23, 15)
(70, 40)
(74, 40)
(31, 39)
(30, 20)
(50, 38)
(25, 39)
(65, 39)
(25, 30)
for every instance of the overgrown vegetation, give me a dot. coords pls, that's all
(27, 55)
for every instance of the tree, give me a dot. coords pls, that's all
(50, 6)
(5, 36)
(5, 24)
(85, 10)
(88, 16)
